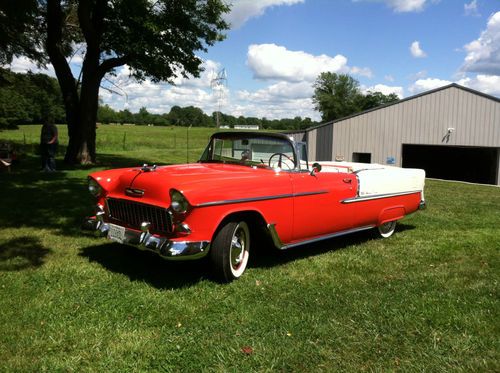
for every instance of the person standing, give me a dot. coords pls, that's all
(49, 140)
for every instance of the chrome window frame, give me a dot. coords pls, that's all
(208, 152)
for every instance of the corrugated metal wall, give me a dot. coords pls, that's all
(324, 143)
(423, 120)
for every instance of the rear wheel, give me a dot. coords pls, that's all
(230, 250)
(387, 229)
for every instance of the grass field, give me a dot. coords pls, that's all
(426, 299)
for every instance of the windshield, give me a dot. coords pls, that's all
(251, 150)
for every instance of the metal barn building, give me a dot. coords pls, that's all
(452, 132)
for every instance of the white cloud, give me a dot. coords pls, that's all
(423, 85)
(361, 71)
(160, 97)
(243, 10)
(489, 84)
(416, 51)
(274, 62)
(385, 89)
(262, 106)
(404, 6)
(419, 75)
(471, 9)
(282, 91)
(23, 65)
(483, 54)
(389, 78)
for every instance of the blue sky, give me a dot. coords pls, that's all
(276, 48)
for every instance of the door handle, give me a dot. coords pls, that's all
(347, 180)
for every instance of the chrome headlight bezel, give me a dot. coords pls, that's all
(178, 203)
(94, 187)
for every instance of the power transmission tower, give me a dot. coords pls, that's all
(218, 84)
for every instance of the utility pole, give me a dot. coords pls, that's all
(218, 83)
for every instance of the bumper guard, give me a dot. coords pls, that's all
(167, 249)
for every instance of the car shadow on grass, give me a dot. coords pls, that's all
(22, 253)
(267, 256)
(148, 267)
(145, 266)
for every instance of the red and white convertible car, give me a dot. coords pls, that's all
(242, 183)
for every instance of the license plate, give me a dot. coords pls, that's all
(116, 233)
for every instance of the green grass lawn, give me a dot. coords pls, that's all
(426, 299)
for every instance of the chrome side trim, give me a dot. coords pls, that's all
(274, 235)
(263, 198)
(277, 241)
(378, 196)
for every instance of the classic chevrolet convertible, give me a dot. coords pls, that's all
(245, 184)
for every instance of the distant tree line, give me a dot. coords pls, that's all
(193, 116)
(29, 98)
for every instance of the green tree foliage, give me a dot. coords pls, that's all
(20, 27)
(28, 98)
(374, 99)
(157, 39)
(338, 95)
(189, 116)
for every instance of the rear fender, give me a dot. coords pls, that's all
(390, 214)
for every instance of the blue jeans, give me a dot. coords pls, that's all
(48, 156)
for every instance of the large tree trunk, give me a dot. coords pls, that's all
(81, 107)
(84, 142)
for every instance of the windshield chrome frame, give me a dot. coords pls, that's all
(243, 134)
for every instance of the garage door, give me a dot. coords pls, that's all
(472, 164)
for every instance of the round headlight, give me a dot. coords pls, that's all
(94, 188)
(178, 202)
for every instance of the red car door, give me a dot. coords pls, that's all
(318, 209)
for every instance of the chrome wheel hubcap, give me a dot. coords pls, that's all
(238, 246)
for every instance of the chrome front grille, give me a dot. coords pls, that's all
(133, 214)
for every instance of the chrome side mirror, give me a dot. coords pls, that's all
(316, 167)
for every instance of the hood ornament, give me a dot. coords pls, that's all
(134, 192)
(147, 168)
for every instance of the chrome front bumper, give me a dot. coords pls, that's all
(171, 250)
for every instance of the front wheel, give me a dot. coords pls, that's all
(230, 250)
(387, 229)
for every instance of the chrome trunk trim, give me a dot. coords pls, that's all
(377, 196)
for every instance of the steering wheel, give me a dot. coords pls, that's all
(280, 160)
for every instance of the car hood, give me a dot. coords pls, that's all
(200, 183)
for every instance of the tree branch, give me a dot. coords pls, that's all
(109, 64)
